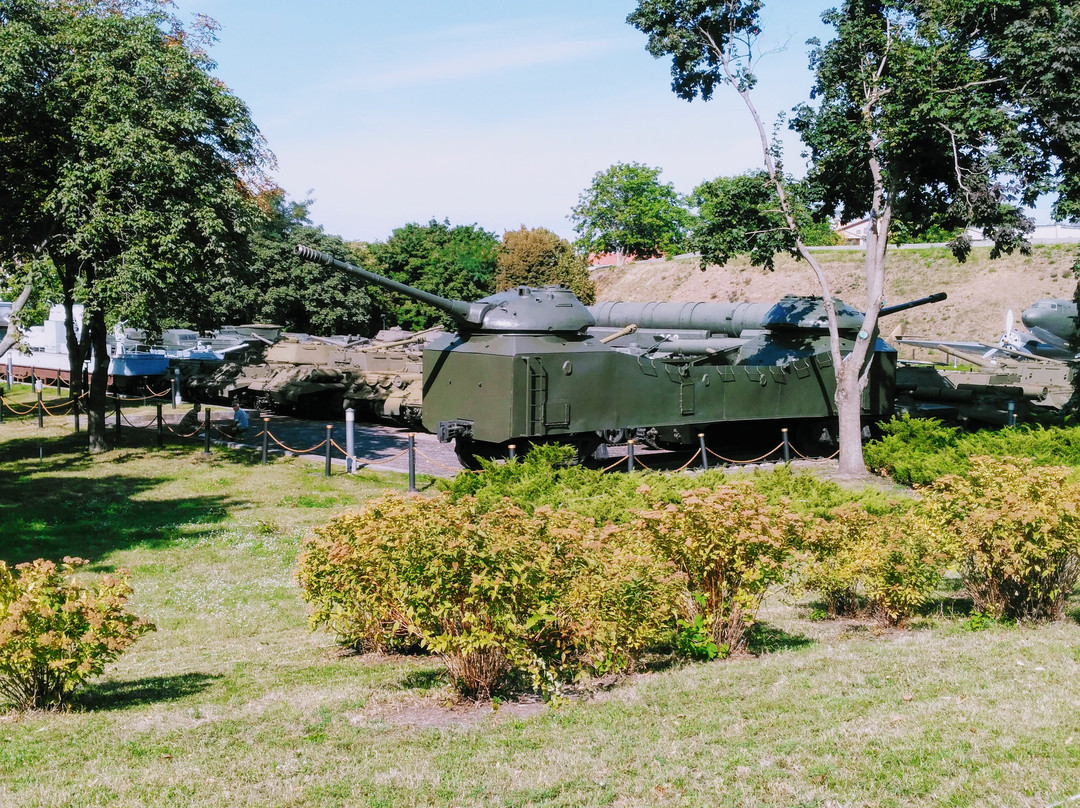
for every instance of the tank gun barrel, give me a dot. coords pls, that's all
(937, 297)
(457, 309)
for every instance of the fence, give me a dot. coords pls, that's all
(266, 441)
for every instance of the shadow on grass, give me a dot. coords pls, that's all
(766, 639)
(424, 679)
(948, 606)
(49, 510)
(137, 692)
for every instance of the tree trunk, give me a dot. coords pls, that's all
(13, 333)
(75, 350)
(99, 382)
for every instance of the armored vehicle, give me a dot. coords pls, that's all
(535, 365)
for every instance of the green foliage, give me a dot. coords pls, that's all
(56, 632)
(454, 262)
(494, 594)
(628, 211)
(538, 257)
(1015, 530)
(742, 215)
(917, 451)
(277, 286)
(732, 545)
(887, 561)
(692, 638)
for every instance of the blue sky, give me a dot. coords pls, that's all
(488, 113)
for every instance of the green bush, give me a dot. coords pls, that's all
(1014, 528)
(732, 545)
(494, 594)
(917, 451)
(57, 632)
(886, 560)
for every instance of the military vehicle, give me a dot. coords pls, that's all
(535, 365)
(317, 377)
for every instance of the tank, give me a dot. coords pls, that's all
(317, 377)
(535, 365)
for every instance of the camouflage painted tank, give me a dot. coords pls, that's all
(316, 377)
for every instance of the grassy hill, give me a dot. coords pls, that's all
(980, 291)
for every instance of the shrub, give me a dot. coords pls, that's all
(732, 545)
(494, 593)
(1015, 530)
(57, 632)
(915, 451)
(886, 560)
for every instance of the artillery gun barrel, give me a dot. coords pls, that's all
(457, 309)
(937, 297)
(718, 318)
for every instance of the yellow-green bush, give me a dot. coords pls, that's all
(732, 545)
(889, 561)
(493, 593)
(1014, 529)
(56, 631)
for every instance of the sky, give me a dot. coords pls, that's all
(496, 114)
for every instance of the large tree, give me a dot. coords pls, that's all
(278, 286)
(127, 164)
(455, 262)
(537, 257)
(904, 124)
(628, 211)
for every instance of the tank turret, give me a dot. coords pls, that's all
(522, 309)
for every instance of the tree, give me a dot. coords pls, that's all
(132, 168)
(453, 262)
(742, 215)
(628, 211)
(906, 126)
(539, 257)
(278, 286)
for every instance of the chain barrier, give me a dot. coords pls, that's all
(364, 461)
(731, 462)
(295, 451)
(808, 457)
(30, 409)
(435, 462)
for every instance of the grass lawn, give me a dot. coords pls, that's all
(233, 701)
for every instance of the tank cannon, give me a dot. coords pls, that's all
(535, 365)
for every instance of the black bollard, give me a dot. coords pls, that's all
(704, 454)
(266, 437)
(117, 420)
(787, 445)
(206, 432)
(630, 455)
(160, 427)
(512, 449)
(412, 462)
(329, 431)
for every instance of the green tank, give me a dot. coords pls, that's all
(536, 365)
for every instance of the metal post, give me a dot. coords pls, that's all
(329, 435)
(266, 437)
(117, 420)
(176, 388)
(78, 410)
(2, 406)
(630, 455)
(350, 439)
(58, 382)
(1012, 413)
(160, 427)
(412, 462)
(787, 445)
(512, 449)
(10, 370)
(38, 385)
(206, 432)
(704, 454)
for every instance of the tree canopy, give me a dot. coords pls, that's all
(125, 161)
(456, 262)
(538, 257)
(628, 211)
(277, 286)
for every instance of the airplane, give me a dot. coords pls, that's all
(1050, 323)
